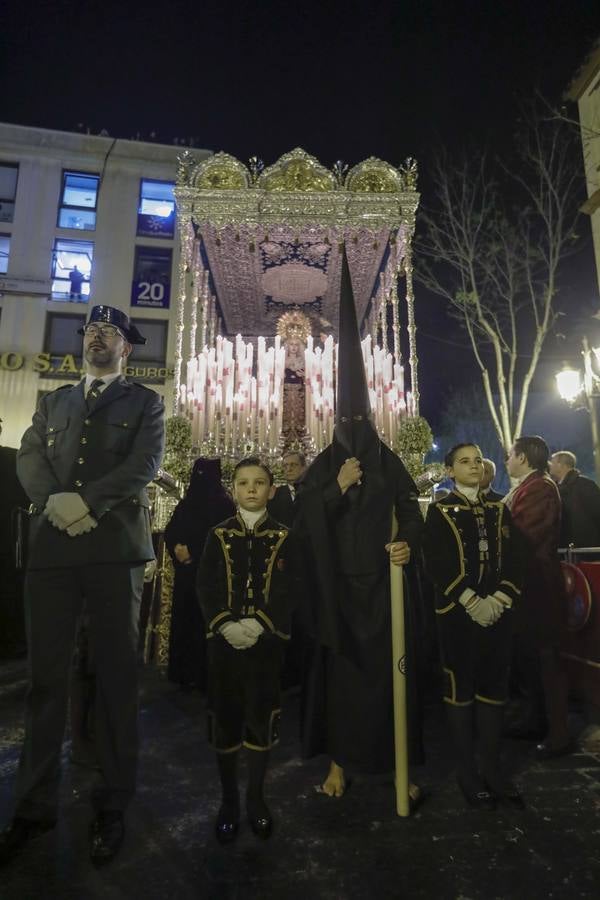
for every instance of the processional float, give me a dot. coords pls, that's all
(259, 282)
(259, 289)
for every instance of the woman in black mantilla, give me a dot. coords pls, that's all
(205, 504)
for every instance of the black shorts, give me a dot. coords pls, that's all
(475, 660)
(244, 694)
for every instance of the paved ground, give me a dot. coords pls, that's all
(349, 849)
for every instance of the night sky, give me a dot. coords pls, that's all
(342, 80)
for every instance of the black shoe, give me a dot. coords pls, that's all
(262, 826)
(18, 833)
(481, 799)
(508, 796)
(106, 836)
(227, 824)
(546, 750)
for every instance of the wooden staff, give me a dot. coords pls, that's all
(399, 682)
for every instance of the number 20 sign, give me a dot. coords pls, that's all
(151, 293)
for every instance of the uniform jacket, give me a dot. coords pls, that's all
(580, 522)
(282, 507)
(470, 546)
(246, 574)
(536, 508)
(108, 455)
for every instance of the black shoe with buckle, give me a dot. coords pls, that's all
(106, 836)
(478, 799)
(20, 832)
(260, 819)
(507, 794)
(228, 823)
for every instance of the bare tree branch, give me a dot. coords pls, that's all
(491, 246)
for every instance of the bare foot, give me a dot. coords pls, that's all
(414, 792)
(335, 783)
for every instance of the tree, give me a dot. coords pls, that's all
(492, 245)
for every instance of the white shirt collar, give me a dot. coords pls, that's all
(469, 492)
(250, 518)
(107, 379)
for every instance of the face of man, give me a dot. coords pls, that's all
(467, 468)
(558, 470)
(292, 468)
(104, 348)
(516, 463)
(252, 488)
(488, 475)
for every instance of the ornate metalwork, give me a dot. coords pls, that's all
(410, 173)
(220, 172)
(373, 176)
(297, 171)
(239, 211)
(294, 326)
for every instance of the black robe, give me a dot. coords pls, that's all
(348, 696)
(205, 505)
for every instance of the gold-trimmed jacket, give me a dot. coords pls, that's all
(470, 545)
(246, 574)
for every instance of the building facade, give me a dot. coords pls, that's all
(84, 220)
(585, 91)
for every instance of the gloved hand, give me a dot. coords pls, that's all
(252, 627)
(82, 526)
(504, 599)
(65, 508)
(236, 636)
(484, 610)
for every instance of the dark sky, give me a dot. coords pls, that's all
(343, 80)
(347, 80)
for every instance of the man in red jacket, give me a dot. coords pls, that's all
(535, 507)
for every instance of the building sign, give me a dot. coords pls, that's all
(66, 366)
(152, 277)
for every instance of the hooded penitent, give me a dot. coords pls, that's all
(353, 407)
(348, 693)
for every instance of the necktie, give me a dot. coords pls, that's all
(93, 393)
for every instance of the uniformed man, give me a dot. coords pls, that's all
(85, 462)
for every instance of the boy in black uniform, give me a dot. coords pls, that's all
(470, 558)
(244, 592)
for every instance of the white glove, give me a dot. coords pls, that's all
(504, 599)
(150, 570)
(252, 627)
(484, 610)
(236, 636)
(82, 526)
(65, 508)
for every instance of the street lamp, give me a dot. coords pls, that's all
(571, 387)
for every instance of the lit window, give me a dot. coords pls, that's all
(71, 269)
(4, 253)
(78, 201)
(151, 284)
(156, 210)
(9, 173)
